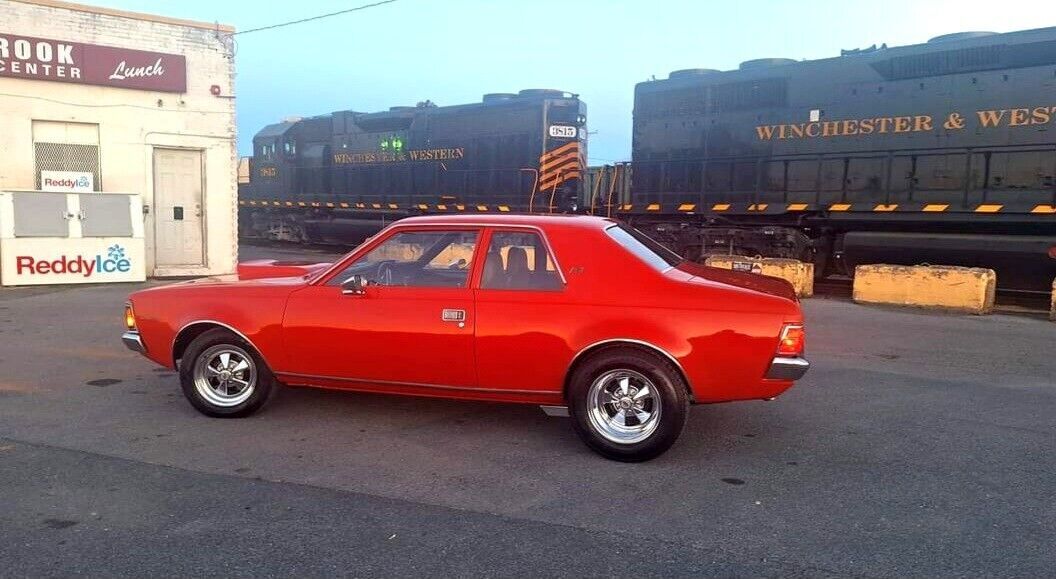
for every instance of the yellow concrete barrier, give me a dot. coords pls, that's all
(968, 289)
(1052, 308)
(799, 274)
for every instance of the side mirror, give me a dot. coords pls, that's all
(355, 285)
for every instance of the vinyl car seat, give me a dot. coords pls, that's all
(517, 273)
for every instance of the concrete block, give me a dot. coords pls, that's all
(799, 274)
(1052, 308)
(967, 289)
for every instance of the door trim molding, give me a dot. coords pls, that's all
(420, 385)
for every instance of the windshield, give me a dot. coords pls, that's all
(643, 246)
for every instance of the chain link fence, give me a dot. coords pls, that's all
(67, 157)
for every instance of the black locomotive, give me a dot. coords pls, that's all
(340, 177)
(943, 152)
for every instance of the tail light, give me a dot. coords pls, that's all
(130, 317)
(793, 340)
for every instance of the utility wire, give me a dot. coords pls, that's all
(321, 16)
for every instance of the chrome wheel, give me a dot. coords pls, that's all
(225, 375)
(623, 406)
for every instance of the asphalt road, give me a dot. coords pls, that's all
(919, 444)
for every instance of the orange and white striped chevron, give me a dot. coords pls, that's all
(559, 165)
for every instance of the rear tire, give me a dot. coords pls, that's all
(628, 404)
(223, 376)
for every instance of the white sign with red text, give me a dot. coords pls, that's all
(45, 261)
(70, 256)
(67, 181)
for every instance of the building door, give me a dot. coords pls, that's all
(178, 208)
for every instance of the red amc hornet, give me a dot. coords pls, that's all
(581, 315)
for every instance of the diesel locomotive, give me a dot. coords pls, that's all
(340, 177)
(942, 153)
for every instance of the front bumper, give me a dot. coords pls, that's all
(787, 369)
(133, 342)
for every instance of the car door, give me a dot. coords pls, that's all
(412, 324)
(523, 315)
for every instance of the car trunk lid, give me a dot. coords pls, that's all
(753, 281)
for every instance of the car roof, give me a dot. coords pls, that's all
(514, 219)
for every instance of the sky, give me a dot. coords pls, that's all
(454, 51)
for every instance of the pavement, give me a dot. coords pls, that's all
(919, 444)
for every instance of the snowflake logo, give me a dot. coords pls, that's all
(116, 252)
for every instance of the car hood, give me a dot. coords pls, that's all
(753, 281)
(232, 280)
(267, 268)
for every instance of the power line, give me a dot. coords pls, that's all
(321, 16)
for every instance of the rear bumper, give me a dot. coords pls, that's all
(133, 342)
(787, 369)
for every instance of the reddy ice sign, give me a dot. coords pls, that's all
(67, 181)
(41, 261)
(114, 261)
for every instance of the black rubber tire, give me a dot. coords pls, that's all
(674, 401)
(263, 389)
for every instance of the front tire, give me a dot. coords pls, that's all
(627, 404)
(223, 376)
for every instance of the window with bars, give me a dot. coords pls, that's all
(68, 157)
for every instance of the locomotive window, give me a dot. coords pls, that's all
(940, 172)
(803, 175)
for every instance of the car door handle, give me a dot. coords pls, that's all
(453, 315)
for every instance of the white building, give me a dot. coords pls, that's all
(107, 101)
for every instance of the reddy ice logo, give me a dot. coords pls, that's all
(113, 262)
(81, 182)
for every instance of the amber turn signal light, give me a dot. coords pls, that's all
(793, 340)
(130, 317)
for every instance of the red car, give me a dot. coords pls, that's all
(578, 314)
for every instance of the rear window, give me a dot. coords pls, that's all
(641, 245)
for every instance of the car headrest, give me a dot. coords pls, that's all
(491, 277)
(517, 260)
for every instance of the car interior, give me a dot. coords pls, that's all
(526, 265)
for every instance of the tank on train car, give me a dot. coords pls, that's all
(340, 177)
(942, 152)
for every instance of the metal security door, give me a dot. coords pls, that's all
(178, 208)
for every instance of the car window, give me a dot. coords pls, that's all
(416, 259)
(519, 261)
(643, 246)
